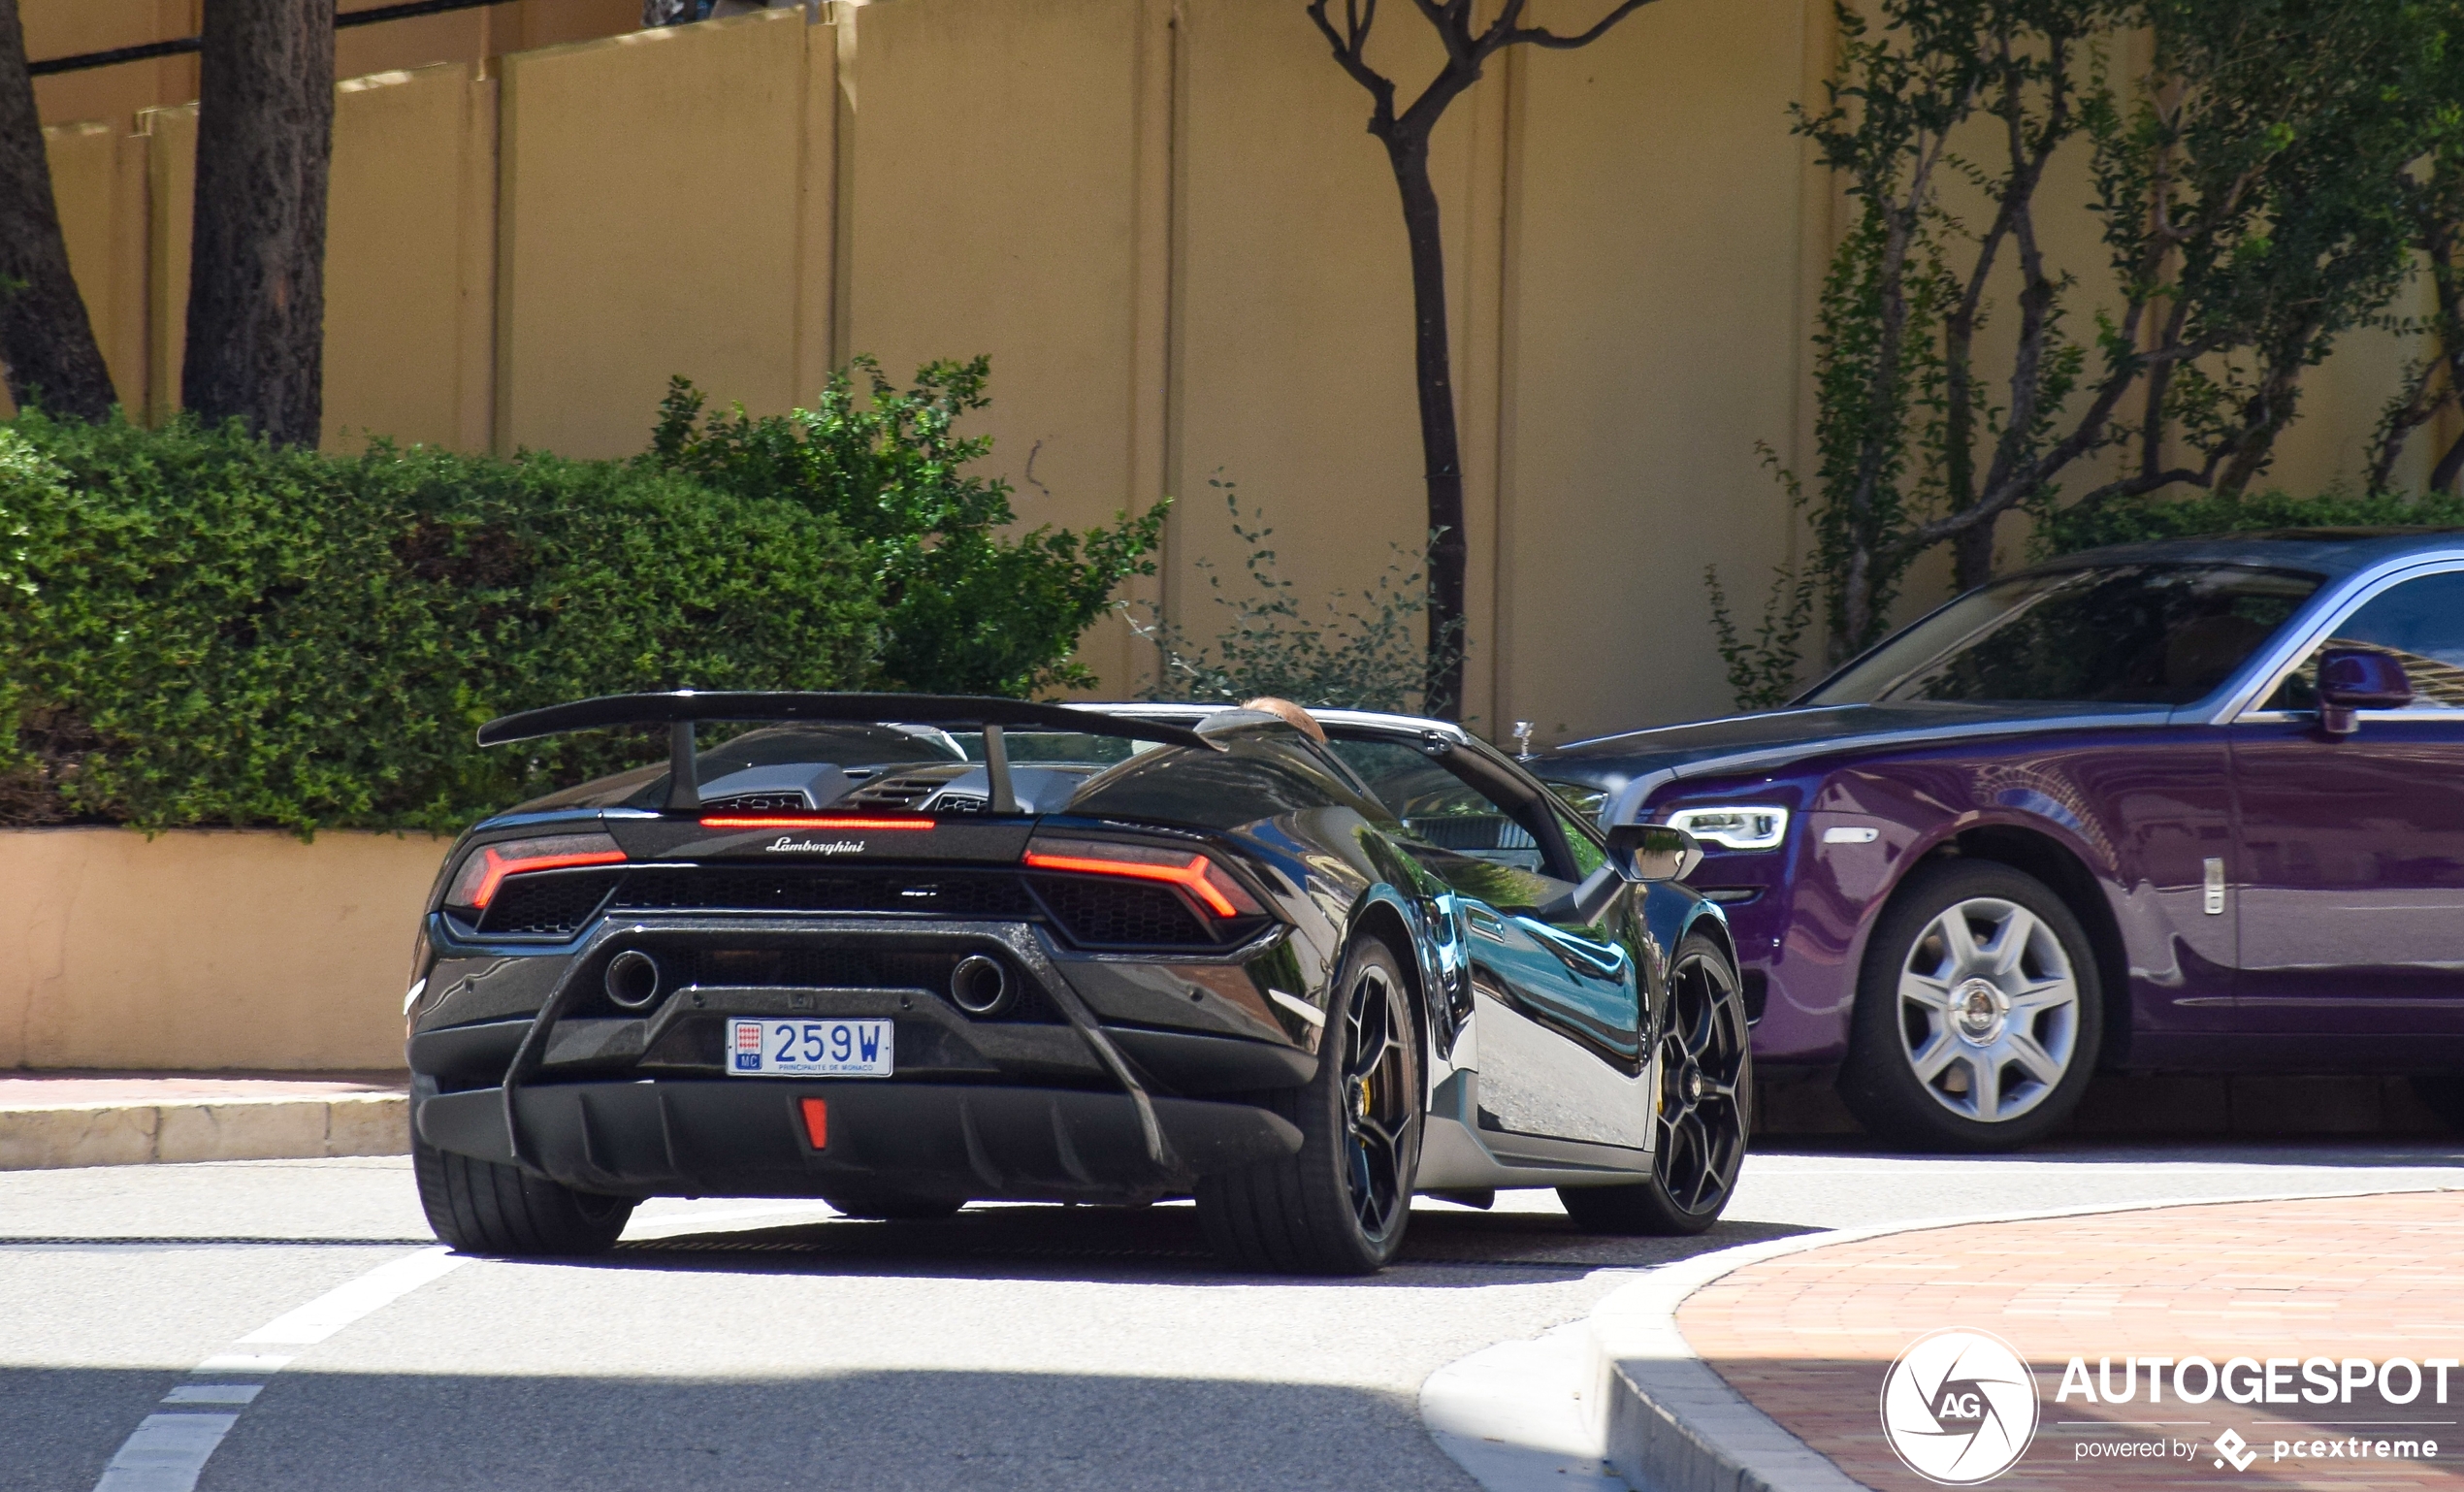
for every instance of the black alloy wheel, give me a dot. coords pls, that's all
(480, 1207)
(1703, 1108)
(1341, 1205)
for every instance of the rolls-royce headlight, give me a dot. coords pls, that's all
(1747, 827)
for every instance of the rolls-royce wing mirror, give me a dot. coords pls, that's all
(2353, 679)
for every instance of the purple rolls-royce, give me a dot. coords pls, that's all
(2188, 805)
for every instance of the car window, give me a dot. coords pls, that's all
(2419, 623)
(1586, 800)
(2117, 635)
(1438, 808)
(1257, 775)
(793, 759)
(1586, 851)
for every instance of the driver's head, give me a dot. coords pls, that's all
(1290, 714)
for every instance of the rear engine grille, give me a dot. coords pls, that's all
(1121, 914)
(757, 802)
(902, 791)
(552, 902)
(712, 889)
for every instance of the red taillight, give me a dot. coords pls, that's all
(817, 1122)
(484, 871)
(807, 821)
(1195, 874)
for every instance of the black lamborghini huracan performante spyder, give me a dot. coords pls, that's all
(904, 953)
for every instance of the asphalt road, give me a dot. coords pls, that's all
(738, 1344)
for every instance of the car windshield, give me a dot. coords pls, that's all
(2113, 634)
(1061, 748)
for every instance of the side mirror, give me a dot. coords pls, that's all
(1654, 852)
(2353, 679)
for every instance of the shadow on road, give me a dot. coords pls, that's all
(863, 1430)
(1446, 1246)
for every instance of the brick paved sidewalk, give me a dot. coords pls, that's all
(1809, 1337)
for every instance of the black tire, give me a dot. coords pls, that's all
(480, 1207)
(1703, 1110)
(2443, 1094)
(1339, 1206)
(2024, 1010)
(894, 1207)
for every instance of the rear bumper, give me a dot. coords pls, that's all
(747, 1137)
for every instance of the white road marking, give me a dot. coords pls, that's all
(343, 1305)
(214, 1393)
(168, 1452)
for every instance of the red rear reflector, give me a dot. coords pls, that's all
(817, 1122)
(1191, 877)
(775, 821)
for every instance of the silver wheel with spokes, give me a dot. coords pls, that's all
(1988, 1010)
(1979, 1011)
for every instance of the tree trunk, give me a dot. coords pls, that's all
(45, 340)
(256, 290)
(1973, 555)
(1440, 448)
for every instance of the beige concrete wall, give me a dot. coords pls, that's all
(201, 949)
(650, 206)
(1656, 340)
(61, 28)
(952, 250)
(410, 242)
(1165, 222)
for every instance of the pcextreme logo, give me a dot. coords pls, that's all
(1959, 1407)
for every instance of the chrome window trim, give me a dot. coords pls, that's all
(2301, 717)
(2343, 600)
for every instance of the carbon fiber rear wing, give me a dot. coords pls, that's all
(680, 709)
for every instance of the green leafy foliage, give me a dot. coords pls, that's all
(1362, 653)
(2122, 523)
(966, 608)
(198, 628)
(2255, 188)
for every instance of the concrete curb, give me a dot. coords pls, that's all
(1669, 1423)
(285, 1127)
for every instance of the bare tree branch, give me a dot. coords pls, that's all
(1543, 37)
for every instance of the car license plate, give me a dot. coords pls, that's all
(810, 1049)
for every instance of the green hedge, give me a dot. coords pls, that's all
(967, 606)
(196, 627)
(2067, 531)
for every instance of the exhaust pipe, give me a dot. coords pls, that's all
(633, 979)
(980, 986)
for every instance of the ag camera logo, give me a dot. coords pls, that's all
(1959, 1407)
